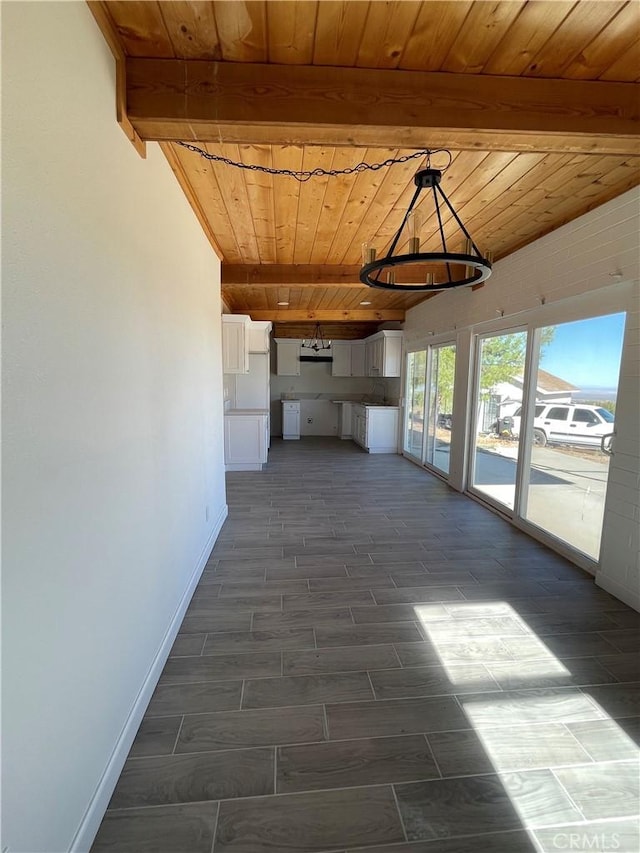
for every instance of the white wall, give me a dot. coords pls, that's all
(588, 267)
(113, 456)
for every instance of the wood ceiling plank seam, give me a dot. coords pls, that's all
(363, 189)
(463, 165)
(242, 30)
(465, 189)
(260, 194)
(433, 35)
(191, 26)
(286, 193)
(335, 201)
(290, 37)
(396, 183)
(543, 220)
(182, 176)
(615, 38)
(520, 239)
(487, 171)
(485, 26)
(202, 176)
(625, 67)
(234, 195)
(500, 185)
(141, 29)
(339, 28)
(527, 36)
(379, 226)
(568, 40)
(387, 30)
(310, 201)
(324, 197)
(518, 197)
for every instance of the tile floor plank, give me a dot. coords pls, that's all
(360, 631)
(263, 727)
(349, 763)
(184, 828)
(306, 689)
(194, 778)
(309, 823)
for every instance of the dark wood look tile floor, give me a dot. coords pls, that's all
(373, 662)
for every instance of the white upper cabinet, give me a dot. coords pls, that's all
(288, 352)
(235, 343)
(341, 364)
(357, 358)
(383, 354)
(348, 358)
(259, 335)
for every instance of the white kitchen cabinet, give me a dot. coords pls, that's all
(383, 354)
(341, 364)
(375, 428)
(348, 358)
(288, 356)
(259, 335)
(246, 439)
(345, 419)
(357, 358)
(359, 425)
(291, 419)
(235, 343)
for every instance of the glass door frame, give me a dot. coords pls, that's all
(434, 342)
(408, 398)
(616, 299)
(474, 391)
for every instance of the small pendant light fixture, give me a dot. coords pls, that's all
(437, 270)
(318, 344)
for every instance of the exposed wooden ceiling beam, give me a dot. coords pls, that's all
(328, 315)
(176, 99)
(103, 20)
(291, 275)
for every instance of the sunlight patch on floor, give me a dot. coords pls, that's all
(569, 770)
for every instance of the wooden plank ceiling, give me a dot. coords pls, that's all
(537, 102)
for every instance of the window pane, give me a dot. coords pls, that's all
(499, 394)
(565, 490)
(440, 418)
(414, 420)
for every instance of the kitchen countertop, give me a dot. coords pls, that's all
(367, 405)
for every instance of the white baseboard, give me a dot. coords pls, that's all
(628, 596)
(98, 805)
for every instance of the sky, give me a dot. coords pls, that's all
(587, 352)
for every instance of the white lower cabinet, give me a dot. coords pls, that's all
(375, 428)
(246, 440)
(291, 419)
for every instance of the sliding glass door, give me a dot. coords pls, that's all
(415, 397)
(442, 364)
(565, 479)
(500, 361)
(429, 410)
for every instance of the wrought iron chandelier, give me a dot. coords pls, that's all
(433, 271)
(317, 343)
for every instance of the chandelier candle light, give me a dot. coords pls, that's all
(318, 344)
(438, 270)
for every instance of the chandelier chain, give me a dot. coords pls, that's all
(304, 176)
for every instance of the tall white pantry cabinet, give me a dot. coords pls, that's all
(245, 357)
